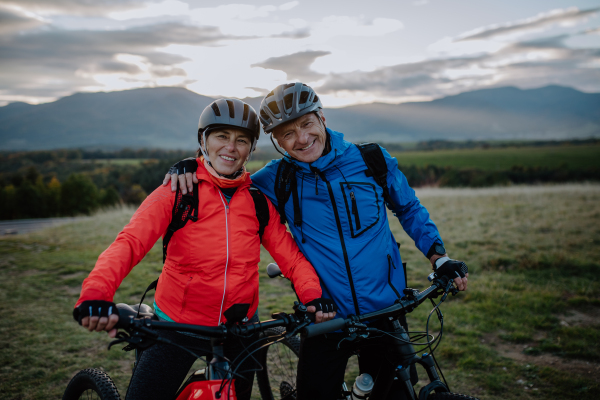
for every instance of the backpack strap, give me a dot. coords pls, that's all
(262, 210)
(376, 167)
(285, 183)
(184, 209)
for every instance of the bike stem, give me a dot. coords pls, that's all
(219, 366)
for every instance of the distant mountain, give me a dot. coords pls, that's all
(167, 118)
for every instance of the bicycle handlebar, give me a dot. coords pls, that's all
(129, 322)
(407, 303)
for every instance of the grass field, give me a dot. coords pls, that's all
(504, 158)
(573, 157)
(527, 328)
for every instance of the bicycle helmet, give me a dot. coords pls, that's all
(228, 112)
(287, 102)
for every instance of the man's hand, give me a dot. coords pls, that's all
(97, 315)
(184, 173)
(324, 309)
(453, 269)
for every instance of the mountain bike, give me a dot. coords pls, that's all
(139, 329)
(358, 331)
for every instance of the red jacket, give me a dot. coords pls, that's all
(211, 264)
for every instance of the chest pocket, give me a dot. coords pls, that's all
(362, 206)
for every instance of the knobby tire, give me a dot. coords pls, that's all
(91, 384)
(277, 380)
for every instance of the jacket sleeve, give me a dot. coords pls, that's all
(413, 216)
(280, 244)
(146, 226)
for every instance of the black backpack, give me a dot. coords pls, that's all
(285, 180)
(186, 209)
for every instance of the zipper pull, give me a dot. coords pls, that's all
(227, 209)
(316, 184)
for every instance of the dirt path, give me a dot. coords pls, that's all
(587, 369)
(21, 226)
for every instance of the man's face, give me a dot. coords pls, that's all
(303, 138)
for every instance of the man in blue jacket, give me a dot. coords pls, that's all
(337, 215)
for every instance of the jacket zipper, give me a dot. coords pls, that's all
(390, 265)
(339, 226)
(355, 211)
(227, 259)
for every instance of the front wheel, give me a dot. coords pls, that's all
(91, 384)
(450, 396)
(277, 379)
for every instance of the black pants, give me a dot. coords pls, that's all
(163, 367)
(322, 366)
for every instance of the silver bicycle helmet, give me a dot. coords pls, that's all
(287, 102)
(228, 112)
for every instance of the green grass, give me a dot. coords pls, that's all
(532, 254)
(575, 157)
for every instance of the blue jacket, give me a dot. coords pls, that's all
(351, 246)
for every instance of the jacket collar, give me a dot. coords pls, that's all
(204, 175)
(338, 147)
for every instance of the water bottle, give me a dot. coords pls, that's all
(362, 387)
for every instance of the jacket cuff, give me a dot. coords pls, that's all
(91, 294)
(309, 295)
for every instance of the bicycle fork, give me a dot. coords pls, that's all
(402, 372)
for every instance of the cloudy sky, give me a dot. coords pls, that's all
(349, 51)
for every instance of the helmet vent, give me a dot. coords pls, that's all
(315, 99)
(273, 107)
(215, 108)
(264, 115)
(287, 100)
(303, 97)
(270, 94)
(231, 108)
(289, 85)
(246, 111)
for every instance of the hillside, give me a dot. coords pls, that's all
(167, 118)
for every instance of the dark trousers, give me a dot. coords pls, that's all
(163, 367)
(322, 365)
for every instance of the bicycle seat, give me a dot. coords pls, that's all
(132, 310)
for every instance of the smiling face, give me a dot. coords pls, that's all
(303, 138)
(228, 149)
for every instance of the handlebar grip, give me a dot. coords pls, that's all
(273, 270)
(324, 327)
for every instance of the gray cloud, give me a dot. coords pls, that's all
(77, 7)
(296, 66)
(45, 62)
(569, 15)
(295, 34)
(560, 65)
(13, 22)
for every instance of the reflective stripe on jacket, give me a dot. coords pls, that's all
(345, 228)
(211, 264)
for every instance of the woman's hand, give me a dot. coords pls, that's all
(324, 309)
(100, 324)
(97, 315)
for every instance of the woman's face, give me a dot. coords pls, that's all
(228, 149)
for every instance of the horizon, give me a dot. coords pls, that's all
(325, 108)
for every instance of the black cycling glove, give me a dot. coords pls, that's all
(94, 308)
(452, 269)
(323, 304)
(183, 166)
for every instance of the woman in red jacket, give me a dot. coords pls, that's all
(211, 264)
